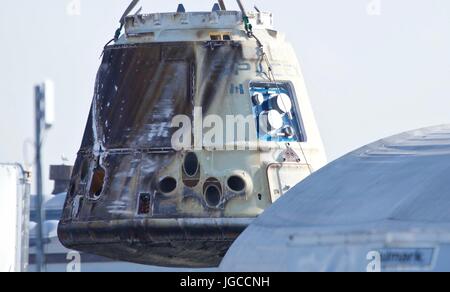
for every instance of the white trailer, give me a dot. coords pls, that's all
(14, 217)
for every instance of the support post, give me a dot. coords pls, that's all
(39, 128)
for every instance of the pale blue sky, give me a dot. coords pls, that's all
(368, 76)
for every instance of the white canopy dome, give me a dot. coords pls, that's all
(385, 206)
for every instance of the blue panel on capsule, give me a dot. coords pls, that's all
(268, 90)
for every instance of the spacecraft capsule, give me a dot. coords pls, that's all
(174, 163)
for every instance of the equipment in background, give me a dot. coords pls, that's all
(14, 217)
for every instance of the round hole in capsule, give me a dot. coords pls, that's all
(236, 183)
(97, 183)
(258, 99)
(191, 164)
(167, 185)
(213, 195)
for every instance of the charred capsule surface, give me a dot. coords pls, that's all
(134, 196)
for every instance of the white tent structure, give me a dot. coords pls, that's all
(384, 207)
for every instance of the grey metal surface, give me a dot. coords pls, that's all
(390, 199)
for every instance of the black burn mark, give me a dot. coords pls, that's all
(139, 92)
(88, 137)
(217, 70)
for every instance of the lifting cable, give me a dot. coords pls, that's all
(249, 31)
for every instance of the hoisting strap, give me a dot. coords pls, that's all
(249, 29)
